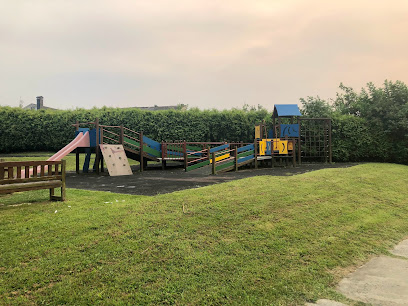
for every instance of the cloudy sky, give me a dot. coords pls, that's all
(204, 53)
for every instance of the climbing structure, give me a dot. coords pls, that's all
(285, 141)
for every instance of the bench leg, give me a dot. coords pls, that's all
(63, 192)
(53, 197)
(51, 194)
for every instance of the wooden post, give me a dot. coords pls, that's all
(330, 143)
(213, 163)
(101, 141)
(97, 149)
(294, 153)
(236, 158)
(299, 143)
(256, 153)
(325, 141)
(164, 154)
(63, 180)
(122, 135)
(141, 151)
(185, 161)
(76, 151)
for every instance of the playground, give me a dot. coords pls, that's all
(288, 140)
(184, 222)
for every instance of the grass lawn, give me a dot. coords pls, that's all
(70, 158)
(261, 240)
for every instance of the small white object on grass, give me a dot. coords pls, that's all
(107, 202)
(69, 205)
(55, 211)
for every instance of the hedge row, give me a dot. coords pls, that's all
(26, 130)
(354, 138)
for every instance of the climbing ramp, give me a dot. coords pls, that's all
(115, 159)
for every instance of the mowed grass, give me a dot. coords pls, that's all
(70, 159)
(261, 240)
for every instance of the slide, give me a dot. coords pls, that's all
(81, 140)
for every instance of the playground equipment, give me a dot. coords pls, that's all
(311, 135)
(290, 138)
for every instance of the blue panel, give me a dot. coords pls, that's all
(92, 135)
(151, 143)
(268, 150)
(244, 159)
(174, 153)
(270, 133)
(287, 110)
(290, 130)
(246, 148)
(219, 148)
(195, 154)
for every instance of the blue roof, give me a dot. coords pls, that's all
(286, 110)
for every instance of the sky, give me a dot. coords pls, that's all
(204, 53)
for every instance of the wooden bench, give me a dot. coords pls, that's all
(33, 175)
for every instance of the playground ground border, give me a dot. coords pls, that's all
(157, 181)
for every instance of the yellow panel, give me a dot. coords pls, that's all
(290, 145)
(262, 147)
(221, 157)
(257, 132)
(283, 147)
(276, 142)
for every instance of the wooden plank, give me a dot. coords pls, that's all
(223, 166)
(42, 171)
(28, 163)
(10, 172)
(31, 179)
(199, 165)
(26, 171)
(247, 153)
(35, 171)
(19, 172)
(1, 172)
(30, 186)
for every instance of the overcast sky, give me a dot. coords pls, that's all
(204, 53)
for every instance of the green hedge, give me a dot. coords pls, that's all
(28, 130)
(355, 138)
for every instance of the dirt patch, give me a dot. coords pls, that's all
(156, 181)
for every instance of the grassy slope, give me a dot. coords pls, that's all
(262, 240)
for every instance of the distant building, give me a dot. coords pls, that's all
(38, 105)
(160, 108)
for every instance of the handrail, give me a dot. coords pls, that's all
(198, 159)
(110, 126)
(111, 139)
(127, 136)
(125, 128)
(110, 132)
